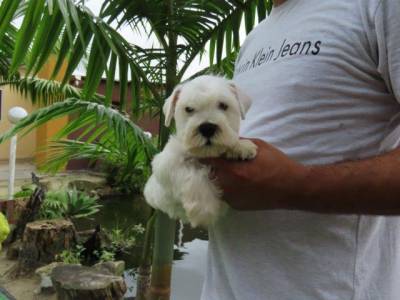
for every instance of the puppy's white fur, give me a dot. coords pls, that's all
(180, 185)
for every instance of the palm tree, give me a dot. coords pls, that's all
(68, 30)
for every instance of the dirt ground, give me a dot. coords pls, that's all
(21, 288)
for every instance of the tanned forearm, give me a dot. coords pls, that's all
(274, 181)
(368, 186)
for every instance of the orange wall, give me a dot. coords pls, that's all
(30, 146)
(26, 144)
(45, 132)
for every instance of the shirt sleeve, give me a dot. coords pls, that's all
(387, 27)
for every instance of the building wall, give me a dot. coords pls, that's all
(26, 145)
(46, 132)
(29, 147)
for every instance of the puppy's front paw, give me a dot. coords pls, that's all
(244, 149)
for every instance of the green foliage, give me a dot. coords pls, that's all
(127, 180)
(75, 255)
(123, 238)
(24, 193)
(106, 255)
(71, 256)
(71, 32)
(105, 134)
(68, 204)
(43, 91)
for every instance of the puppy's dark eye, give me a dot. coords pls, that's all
(222, 106)
(189, 109)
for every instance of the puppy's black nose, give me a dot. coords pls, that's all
(208, 129)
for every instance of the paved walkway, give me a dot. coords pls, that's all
(22, 170)
(22, 175)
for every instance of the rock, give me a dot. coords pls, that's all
(86, 185)
(47, 269)
(42, 241)
(115, 267)
(87, 283)
(46, 285)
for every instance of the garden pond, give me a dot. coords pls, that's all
(190, 246)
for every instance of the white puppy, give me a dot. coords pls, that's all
(207, 112)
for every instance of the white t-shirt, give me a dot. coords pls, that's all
(324, 76)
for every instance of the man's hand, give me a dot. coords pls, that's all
(262, 183)
(274, 181)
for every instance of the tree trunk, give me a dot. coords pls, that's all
(42, 241)
(160, 288)
(164, 237)
(144, 270)
(143, 282)
(74, 282)
(28, 214)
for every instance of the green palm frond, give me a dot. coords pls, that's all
(79, 33)
(75, 32)
(44, 91)
(128, 167)
(196, 22)
(93, 120)
(7, 41)
(62, 151)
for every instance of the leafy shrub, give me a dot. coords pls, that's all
(124, 238)
(71, 256)
(75, 255)
(127, 180)
(106, 255)
(24, 193)
(68, 204)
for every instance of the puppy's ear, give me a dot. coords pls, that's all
(243, 100)
(169, 106)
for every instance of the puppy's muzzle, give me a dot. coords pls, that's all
(208, 130)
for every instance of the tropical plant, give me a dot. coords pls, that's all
(182, 29)
(106, 255)
(71, 256)
(24, 193)
(68, 204)
(123, 238)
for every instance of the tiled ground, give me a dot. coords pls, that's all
(22, 175)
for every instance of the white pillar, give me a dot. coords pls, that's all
(15, 114)
(11, 167)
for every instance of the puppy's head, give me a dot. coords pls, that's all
(207, 112)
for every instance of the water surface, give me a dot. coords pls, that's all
(190, 249)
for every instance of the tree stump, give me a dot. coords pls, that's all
(27, 214)
(42, 241)
(74, 282)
